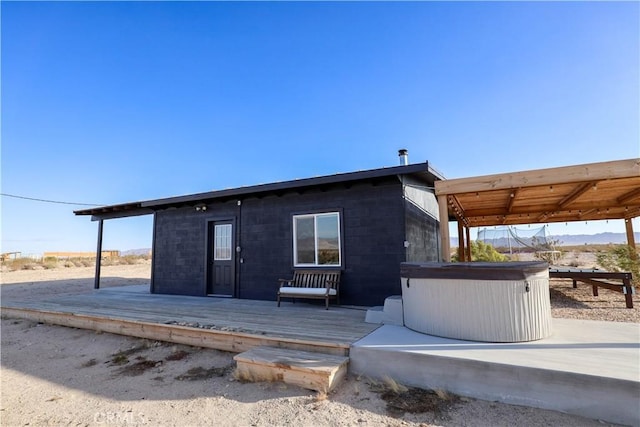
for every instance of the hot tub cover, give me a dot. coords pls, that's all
(473, 270)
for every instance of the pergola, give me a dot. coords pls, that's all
(588, 192)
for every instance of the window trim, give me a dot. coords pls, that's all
(315, 215)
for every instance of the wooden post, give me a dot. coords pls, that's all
(443, 209)
(461, 243)
(631, 241)
(468, 232)
(96, 283)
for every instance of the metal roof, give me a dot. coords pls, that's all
(421, 171)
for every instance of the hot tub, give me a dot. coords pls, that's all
(477, 301)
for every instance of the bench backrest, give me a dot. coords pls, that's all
(316, 278)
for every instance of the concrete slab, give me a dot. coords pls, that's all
(587, 368)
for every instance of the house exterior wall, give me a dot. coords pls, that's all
(422, 234)
(422, 222)
(179, 252)
(375, 221)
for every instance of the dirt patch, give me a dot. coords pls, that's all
(177, 355)
(119, 359)
(122, 356)
(418, 401)
(401, 399)
(89, 363)
(139, 367)
(200, 373)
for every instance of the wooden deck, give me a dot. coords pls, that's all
(223, 323)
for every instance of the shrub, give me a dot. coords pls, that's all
(621, 258)
(129, 259)
(549, 256)
(109, 261)
(21, 264)
(49, 265)
(481, 251)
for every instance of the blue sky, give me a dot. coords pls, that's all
(110, 102)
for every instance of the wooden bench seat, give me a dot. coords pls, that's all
(598, 279)
(317, 284)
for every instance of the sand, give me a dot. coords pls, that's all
(53, 375)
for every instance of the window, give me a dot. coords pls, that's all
(222, 242)
(316, 239)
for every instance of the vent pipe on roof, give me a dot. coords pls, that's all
(404, 157)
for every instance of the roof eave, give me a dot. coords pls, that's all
(150, 206)
(295, 184)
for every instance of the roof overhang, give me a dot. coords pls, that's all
(595, 191)
(422, 171)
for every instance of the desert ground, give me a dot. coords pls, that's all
(55, 376)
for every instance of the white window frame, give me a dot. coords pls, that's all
(315, 234)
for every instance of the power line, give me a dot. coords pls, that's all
(47, 201)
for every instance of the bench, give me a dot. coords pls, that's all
(615, 281)
(317, 284)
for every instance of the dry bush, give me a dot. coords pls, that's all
(109, 261)
(22, 264)
(442, 394)
(49, 265)
(129, 259)
(393, 385)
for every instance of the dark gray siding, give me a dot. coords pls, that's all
(372, 236)
(179, 249)
(423, 235)
(374, 222)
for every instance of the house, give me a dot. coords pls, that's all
(239, 242)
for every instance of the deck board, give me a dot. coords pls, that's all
(300, 321)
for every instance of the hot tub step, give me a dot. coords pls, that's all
(393, 314)
(314, 371)
(375, 315)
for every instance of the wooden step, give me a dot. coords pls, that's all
(314, 371)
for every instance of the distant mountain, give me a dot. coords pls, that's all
(593, 239)
(582, 239)
(145, 251)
